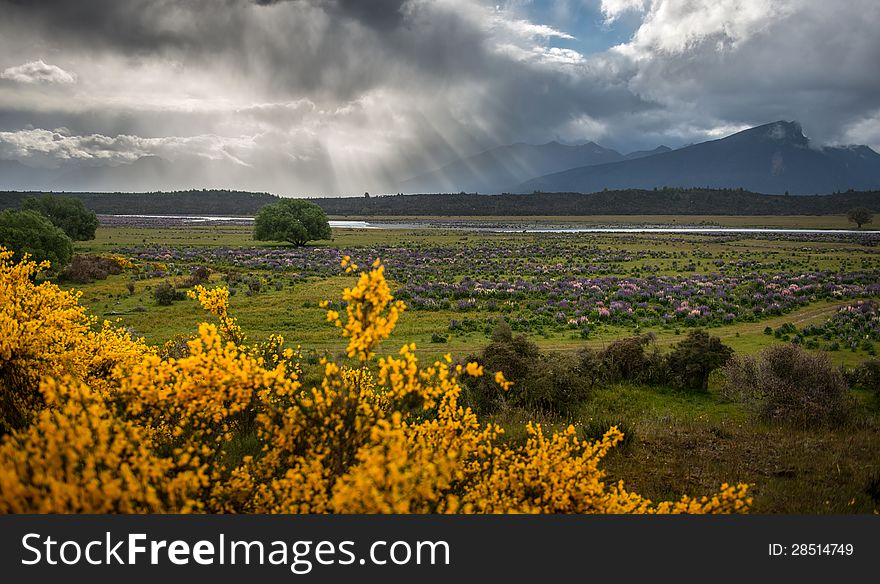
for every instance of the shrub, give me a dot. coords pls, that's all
(254, 286)
(791, 385)
(867, 376)
(549, 382)
(199, 276)
(514, 355)
(692, 360)
(626, 360)
(28, 232)
(166, 294)
(87, 268)
(590, 366)
(67, 213)
(44, 332)
(742, 380)
(555, 385)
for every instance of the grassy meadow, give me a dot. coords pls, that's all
(679, 442)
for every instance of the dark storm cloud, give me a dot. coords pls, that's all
(339, 48)
(378, 14)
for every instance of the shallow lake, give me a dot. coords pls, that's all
(477, 225)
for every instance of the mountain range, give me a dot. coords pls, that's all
(152, 171)
(775, 158)
(506, 166)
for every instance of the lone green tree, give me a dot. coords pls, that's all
(66, 213)
(29, 232)
(292, 220)
(692, 360)
(860, 216)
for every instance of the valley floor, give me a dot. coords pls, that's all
(566, 292)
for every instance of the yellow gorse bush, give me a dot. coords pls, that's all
(111, 426)
(45, 332)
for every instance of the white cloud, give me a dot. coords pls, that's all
(526, 29)
(38, 72)
(676, 26)
(43, 146)
(614, 9)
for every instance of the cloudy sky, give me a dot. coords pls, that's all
(327, 97)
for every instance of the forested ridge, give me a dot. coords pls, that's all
(622, 202)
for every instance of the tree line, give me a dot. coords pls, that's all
(663, 201)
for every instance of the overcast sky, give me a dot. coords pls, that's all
(322, 97)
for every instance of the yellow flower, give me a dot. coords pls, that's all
(474, 369)
(500, 380)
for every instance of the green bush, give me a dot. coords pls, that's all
(627, 360)
(555, 385)
(550, 382)
(32, 233)
(165, 294)
(66, 213)
(867, 376)
(692, 360)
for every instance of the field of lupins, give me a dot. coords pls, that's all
(265, 408)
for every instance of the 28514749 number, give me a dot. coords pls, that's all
(811, 549)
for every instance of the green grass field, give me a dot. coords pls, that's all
(294, 310)
(682, 443)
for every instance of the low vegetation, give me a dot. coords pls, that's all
(657, 292)
(96, 421)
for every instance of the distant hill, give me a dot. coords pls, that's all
(644, 153)
(493, 170)
(623, 202)
(774, 158)
(196, 202)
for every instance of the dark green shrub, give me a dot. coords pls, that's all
(590, 366)
(867, 376)
(550, 382)
(165, 294)
(555, 385)
(29, 232)
(627, 360)
(692, 360)
(66, 213)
